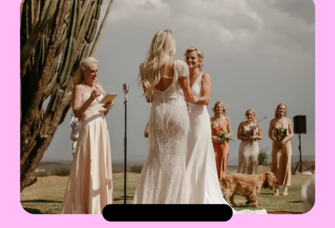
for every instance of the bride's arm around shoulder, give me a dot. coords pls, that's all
(183, 80)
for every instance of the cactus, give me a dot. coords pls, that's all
(55, 36)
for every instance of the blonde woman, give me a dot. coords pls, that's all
(202, 185)
(90, 186)
(281, 148)
(162, 179)
(220, 122)
(248, 150)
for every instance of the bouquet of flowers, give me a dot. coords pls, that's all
(222, 136)
(253, 128)
(280, 134)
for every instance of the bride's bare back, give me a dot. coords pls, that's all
(167, 74)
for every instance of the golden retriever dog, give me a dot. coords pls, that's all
(246, 185)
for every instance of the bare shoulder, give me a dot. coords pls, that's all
(79, 87)
(227, 119)
(288, 120)
(206, 76)
(212, 119)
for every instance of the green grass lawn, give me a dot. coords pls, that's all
(46, 196)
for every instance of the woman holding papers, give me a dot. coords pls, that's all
(90, 187)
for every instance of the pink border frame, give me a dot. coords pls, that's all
(10, 136)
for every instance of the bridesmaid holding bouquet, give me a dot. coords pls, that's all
(281, 132)
(220, 123)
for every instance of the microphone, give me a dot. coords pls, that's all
(125, 90)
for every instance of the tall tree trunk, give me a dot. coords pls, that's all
(49, 29)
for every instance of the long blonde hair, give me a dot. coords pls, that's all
(163, 46)
(78, 77)
(276, 112)
(199, 53)
(215, 106)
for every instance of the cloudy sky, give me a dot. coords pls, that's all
(259, 53)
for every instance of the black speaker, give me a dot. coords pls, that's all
(300, 124)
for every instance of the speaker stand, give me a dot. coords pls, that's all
(300, 163)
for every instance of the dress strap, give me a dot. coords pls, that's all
(84, 88)
(199, 78)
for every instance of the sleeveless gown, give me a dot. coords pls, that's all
(248, 155)
(90, 186)
(221, 151)
(202, 184)
(162, 180)
(281, 162)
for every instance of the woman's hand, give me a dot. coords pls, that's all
(283, 142)
(253, 137)
(215, 139)
(94, 94)
(109, 105)
(194, 99)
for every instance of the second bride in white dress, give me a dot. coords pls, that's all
(202, 184)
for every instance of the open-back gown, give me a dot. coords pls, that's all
(162, 180)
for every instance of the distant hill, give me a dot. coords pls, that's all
(232, 162)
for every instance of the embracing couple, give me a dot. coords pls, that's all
(180, 167)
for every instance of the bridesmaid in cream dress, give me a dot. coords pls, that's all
(248, 150)
(282, 149)
(90, 186)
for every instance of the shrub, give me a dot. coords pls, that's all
(263, 157)
(136, 168)
(61, 171)
(41, 174)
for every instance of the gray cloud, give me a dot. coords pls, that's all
(258, 52)
(147, 6)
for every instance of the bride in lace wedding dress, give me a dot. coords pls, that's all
(162, 179)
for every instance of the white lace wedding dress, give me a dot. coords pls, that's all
(202, 184)
(162, 179)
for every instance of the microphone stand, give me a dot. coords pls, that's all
(125, 90)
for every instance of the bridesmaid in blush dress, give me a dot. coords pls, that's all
(220, 122)
(90, 186)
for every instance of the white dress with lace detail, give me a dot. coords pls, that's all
(162, 179)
